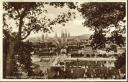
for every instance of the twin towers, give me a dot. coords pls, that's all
(64, 34)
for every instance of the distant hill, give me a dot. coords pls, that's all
(38, 39)
(84, 36)
(34, 39)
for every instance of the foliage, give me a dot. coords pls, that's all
(71, 5)
(101, 15)
(117, 38)
(121, 61)
(98, 39)
(24, 57)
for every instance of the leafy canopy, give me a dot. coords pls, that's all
(102, 14)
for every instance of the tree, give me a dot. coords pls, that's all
(24, 57)
(117, 38)
(16, 11)
(98, 40)
(21, 12)
(121, 62)
(101, 15)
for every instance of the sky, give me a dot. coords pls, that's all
(74, 27)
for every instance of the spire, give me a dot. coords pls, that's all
(46, 36)
(62, 34)
(65, 33)
(56, 36)
(68, 34)
(43, 37)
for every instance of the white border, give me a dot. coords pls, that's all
(1, 41)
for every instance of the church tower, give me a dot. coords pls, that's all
(62, 34)
(68, 34)
(56, 36)
(65, 34)
(43, 37)
(46, 37)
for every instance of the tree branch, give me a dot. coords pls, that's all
(26, 36)
(28, 33)
(21, 23)
(18, 12)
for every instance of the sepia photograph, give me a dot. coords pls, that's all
(64, 40)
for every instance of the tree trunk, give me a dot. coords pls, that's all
(10, 55)
(20, 28)
(9, 68)
(9, 59)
